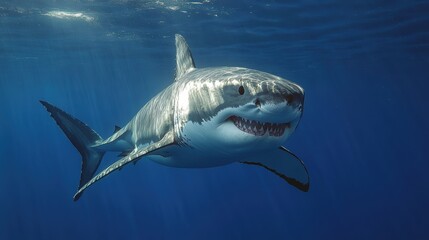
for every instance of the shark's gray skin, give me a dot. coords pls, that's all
(207, 117)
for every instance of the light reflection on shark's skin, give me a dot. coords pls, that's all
(207, 117)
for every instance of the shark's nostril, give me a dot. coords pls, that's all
(258, 103)
(289, 98)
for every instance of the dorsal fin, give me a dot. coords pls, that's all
(116, 129)
(184, 60)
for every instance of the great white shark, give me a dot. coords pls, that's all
(207, 117)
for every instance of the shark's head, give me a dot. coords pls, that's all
(232, 109)
(237, 109)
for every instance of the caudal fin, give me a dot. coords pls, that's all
(82, 137)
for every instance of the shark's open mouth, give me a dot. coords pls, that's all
(259, 129)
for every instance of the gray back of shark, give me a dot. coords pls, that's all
(207, 117)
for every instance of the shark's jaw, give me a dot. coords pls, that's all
(243, 129)
(258, 128)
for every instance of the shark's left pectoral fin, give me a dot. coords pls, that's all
(138, 153)
(286, 165)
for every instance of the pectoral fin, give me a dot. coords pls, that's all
(168, 139)
(286, 165)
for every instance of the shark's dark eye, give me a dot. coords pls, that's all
(241, 90)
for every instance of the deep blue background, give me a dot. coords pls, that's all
(364, 136)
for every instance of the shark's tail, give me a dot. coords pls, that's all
(82, 137)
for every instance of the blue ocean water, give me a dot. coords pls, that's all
(364, 134)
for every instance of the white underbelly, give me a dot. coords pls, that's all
(186, 157)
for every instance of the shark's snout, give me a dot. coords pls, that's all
(295, 99)
(290, 96)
